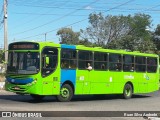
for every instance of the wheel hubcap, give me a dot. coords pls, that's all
(65, 92)
(128, 92)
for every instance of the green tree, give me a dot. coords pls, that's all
(103, 30)
(68, 36)
(120, 32)
(156, 38)
(85, 42)
(141, 37)
(157, 31)
(132, 44)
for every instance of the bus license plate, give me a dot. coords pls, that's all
(16, 88)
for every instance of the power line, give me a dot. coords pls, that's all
(60, 6)
(57, 7)
(95, 9)
(78, 21)
(53, 30)
(153, 7)
(54, 19)
(117, 9)
(86, 19)
(31, 20)
(32, 2)
(73, 2)
(47, 14)
(55, 4)
(62, 16)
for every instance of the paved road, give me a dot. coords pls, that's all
(150, 102)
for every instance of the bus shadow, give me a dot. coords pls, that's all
(26, 98)
(29, 99)
(105, 97)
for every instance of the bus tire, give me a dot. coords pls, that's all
(66, 93)
(128, 91)
(37, 97)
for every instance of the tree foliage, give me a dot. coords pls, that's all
(156, 38)
(115, 32)
(103, 30)
(68, 36)
(157, 31)
(120, 32)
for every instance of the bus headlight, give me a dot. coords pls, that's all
(29, 84)
(34, 82)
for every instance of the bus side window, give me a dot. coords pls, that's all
(68, 58)
(132, 68)
(140, 64)
(115, 62)
(100, 61)
(103, 66)
(84, 57)
(118, 65)
(65, 64)
(151, 65)
(128, 63)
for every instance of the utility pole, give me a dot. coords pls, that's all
(5, 33)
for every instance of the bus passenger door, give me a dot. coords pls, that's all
(49, 64)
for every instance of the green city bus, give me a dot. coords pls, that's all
(45, 68)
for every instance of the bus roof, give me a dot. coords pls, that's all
(98, 49)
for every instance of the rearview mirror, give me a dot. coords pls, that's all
(47, 60)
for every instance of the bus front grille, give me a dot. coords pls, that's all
(18, 89)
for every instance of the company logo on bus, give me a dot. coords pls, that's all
(128, 77)
(13, 80)
(146, 77)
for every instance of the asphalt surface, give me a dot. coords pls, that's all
(147, 102)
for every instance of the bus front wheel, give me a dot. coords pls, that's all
(128, 91)
(66, 93)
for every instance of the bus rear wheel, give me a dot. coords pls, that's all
(66, 93)
(128, 91)
(37, 97)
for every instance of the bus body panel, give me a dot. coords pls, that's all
(102, 83)
(68, 74)
(84, 81)
(34, 87)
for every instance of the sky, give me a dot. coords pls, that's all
(37, 19)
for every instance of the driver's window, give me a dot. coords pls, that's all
(49, 60)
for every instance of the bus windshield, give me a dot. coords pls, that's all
(23, 62)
